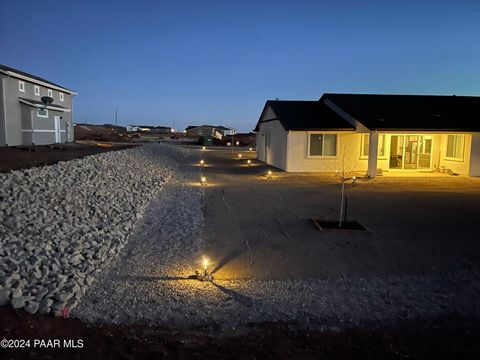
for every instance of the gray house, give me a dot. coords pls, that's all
(27, 120)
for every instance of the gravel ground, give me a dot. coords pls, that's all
(60, 225)
(149, 283)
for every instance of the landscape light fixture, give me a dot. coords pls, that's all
(202, 163)
(203, 180)
(251, 149)
(249, 162)
(239, 155)
(269, 174)
(204, 148)
(205, 275)
(354, 178)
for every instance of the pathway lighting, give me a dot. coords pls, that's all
(239, 156)
(251, 149)
(202, 163)
(203, 180)
(249, 162)
(354, 178)
(204, 148)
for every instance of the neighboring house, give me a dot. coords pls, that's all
(204, 130)
(24, 118)
(372, 133)
(225, 130)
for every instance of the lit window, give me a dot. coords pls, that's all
(50, 93)
(21, 86)
(323, 145)
(37, 90)
(455, 145)
(61, 97)
(42, 112)
(366, 143)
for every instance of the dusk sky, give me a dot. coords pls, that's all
(216, 62)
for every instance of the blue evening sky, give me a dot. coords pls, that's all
(216, 62)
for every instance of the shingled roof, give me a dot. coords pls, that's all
(410, 112)
(305, 115)
(8, 69)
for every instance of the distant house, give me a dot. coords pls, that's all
(372, 133)
(225, 130)
(204, 130)
(33, 111)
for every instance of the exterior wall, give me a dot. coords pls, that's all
(461, 167)
(14, 114)
(475, 155)
(3, 135)
(272, 144)
(348, 148)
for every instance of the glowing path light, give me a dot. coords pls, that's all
(203, 180)
(202, 163)
(249, 162)
(239, 156)
(204, 148)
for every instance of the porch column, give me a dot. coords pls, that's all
(474, 169)
(372, 154)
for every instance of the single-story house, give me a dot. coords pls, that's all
(33, 111)
(372, 134)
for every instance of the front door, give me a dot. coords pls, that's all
(58, 134)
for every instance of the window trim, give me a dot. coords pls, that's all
(36, 90)
(21, 86)
(362, 143)
(309, 133)
(50, 93)
(452, 158)
(42, 116)
(61, 96)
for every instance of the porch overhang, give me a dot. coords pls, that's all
(40, 105)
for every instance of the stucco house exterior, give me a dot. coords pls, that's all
(372, 134)
(24, 118)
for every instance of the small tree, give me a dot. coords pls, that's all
(344, 174)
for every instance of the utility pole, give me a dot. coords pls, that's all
(116, 117)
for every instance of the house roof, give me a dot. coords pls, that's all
(411, 112)
(305, 115)
(9, 70)
(221, 127)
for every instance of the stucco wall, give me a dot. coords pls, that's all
(457, 166)
(274, 150)
(348, 148)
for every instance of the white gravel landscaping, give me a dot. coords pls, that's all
(60, 225)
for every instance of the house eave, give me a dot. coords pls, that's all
(38, 82)
(48, 107)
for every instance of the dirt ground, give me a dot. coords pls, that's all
(23, 157)
(446, 338)
(259, 228)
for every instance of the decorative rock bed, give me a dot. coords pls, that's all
(60, 225)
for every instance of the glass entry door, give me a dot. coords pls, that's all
(410, 152)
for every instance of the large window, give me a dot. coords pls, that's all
(41, 112)
(366, 144)
(323, 145)
(455, 145)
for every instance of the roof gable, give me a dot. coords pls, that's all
(304, 115)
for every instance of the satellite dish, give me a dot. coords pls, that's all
(47, 100)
